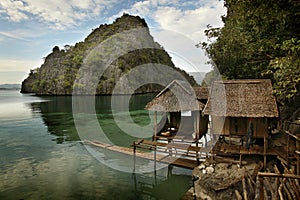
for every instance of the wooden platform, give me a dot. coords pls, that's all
(237, 149)
(163, 158)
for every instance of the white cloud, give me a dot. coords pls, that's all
(180, 26)
(186, 18)
(58, 14)
(190, 22)
(14, 35)
(13, 65)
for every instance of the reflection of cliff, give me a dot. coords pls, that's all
(56, 112)
(57, 116)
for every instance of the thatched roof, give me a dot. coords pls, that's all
(178, 96)
(202, 93)
(242, 98)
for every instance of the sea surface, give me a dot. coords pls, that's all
(42, 156)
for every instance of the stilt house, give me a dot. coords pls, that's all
(181, 107)
(243, 109)
(242, 102)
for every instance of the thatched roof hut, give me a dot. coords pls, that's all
(176, 98)
(244, 109)
(242, 98)
(179, 96)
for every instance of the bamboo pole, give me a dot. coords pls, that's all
(288, 149)
(199, 123)
(289, 184)
(269, 187)
(245, 194)
(155, 159)
(261, 188)
(265, 151)
(280, 192)
(286, 189)
(155, 125)
(276, 182)
(266, 174)
(250, 184)
(238, 195)
(251, 181)
(134, 156)
(256, 197)
(265, 193)
(298, 155)
(293, 136)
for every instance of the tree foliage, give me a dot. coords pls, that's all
(260, 39)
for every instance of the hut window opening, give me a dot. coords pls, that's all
(236, 128)
(186, 114)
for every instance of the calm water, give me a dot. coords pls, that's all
(41, 156)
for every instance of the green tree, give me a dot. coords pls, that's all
(260, 39)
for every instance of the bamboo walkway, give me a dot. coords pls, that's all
(158, 157)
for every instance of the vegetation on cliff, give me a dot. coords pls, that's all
(60, 69)
(260, 39)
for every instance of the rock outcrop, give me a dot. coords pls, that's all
(103, 60)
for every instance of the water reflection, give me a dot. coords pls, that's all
(34, 167)
(56, 113)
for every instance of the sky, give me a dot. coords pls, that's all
(29, 29)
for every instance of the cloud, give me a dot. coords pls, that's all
(179, 25)
(190, 22)
(13, 35)
(8, 65)
(16, 70)
(58, 14)
(186, 17)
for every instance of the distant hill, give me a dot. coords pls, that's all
(198, 76)
(62, 67)
(10, 86)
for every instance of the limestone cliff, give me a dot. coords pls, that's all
(64, 70)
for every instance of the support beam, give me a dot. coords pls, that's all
(266, 174)
(298, 154)
(134, 156)
(155, 126)
(288, 149)
(197, 125)
(265, 150)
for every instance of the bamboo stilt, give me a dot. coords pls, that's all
(251, 179)
(257, 188)
(287, 150)
(238, 195)
(265, 194)
(269, 187)
(280, 192)
(155, 158)
(245, 194)
(265, 151)
(155, 125)
(286, 189)
(261, 188)
(289, 185)
(134, 156)
(250, 185)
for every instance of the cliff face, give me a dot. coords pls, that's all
(62, 67)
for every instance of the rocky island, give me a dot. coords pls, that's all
(60, 69)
